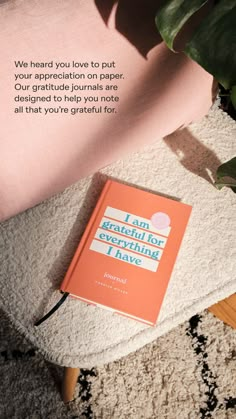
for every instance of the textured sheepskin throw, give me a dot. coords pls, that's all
(37, 246)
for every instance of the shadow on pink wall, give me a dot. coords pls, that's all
(134, 20)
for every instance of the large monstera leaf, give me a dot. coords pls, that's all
(172, 17)
(226, 175)
(213, 46)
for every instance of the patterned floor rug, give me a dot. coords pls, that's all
(190, 373)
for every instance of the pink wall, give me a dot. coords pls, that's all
(41, 155)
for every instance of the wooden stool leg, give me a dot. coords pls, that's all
(70, 378)
(225, 310)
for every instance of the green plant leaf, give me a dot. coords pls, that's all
(173, 15)
(233, 96)
(228, 170)
(213, 45)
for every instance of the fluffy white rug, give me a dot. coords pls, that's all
(186, 374)
(37, 246)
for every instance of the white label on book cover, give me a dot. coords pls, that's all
(133, 233)
(128, 244)
(135, 220)
(124, 255)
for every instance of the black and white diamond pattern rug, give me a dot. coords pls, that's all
(190, 373)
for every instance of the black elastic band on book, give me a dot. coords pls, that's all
(63, 298)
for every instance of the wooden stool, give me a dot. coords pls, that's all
(70, 378)
(225, 310)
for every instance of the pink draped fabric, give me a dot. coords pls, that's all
(160, 91)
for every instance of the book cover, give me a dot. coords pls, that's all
(127, 252)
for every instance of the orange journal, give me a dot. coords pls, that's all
(125, 257)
